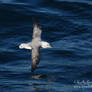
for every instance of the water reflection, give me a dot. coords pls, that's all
(42, 82)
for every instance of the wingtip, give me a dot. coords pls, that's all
(36, 23)
(34, 66)
(33, 69)
(34, 20)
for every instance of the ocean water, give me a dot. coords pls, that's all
(67, 25)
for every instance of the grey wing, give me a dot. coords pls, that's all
(36, 30)
(35, 58)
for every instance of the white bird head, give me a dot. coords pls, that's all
(24, 46)
(45, 45)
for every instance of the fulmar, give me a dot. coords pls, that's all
(35, 45)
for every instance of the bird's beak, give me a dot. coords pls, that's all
(50, 46)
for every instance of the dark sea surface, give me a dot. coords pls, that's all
(67, 26)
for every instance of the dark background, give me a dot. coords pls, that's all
(67, 25)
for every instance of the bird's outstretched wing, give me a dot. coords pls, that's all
(35, 58)
(36, 30)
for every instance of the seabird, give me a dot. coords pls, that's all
(35, 45)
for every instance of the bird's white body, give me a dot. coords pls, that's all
(28, 46)
(45, 45)
(24, 46)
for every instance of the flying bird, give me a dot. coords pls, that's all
(35, 45)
